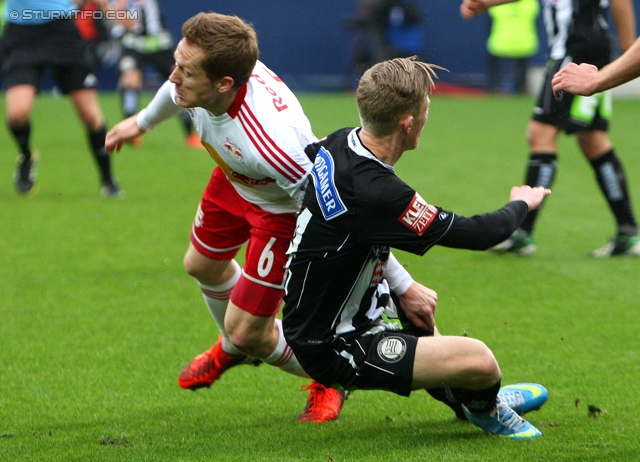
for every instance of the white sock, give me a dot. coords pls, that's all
(217, 300)
(283, 356)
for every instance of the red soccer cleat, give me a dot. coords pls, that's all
(207, 367)
(323, 404)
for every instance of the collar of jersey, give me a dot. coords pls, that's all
(355, 144)
(234, 109)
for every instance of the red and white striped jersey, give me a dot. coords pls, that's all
(259, 142)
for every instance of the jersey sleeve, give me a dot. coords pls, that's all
(481, 232)
(161, 108)
(394, 214)
(399, 217)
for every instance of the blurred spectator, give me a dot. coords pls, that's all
(385, 29)
(513, 39)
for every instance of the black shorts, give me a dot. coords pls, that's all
(376, 361)
(571, 113)
(383, 361)
(29, 50)
(163, 61)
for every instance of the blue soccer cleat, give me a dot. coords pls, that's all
(502, 421)
(524, 397)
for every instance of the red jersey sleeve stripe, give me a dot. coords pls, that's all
(278, 155)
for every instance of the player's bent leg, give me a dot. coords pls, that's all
(262, 337)
(251, 334)
(208, 270)
(471, 377)
(452, 361)
(216, 279)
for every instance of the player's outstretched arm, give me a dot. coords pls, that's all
(121, 133)
(159, 109)
(481, 232)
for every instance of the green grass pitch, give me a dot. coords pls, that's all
(97, 316)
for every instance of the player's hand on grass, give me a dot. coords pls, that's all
(121, 133)
(419, 305)
(575, 79)
(532, 196)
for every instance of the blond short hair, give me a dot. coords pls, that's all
(230, 45)
(391, 90)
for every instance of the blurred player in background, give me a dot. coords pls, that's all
(578, 32)
(337, 288)
(255, 129)
(513, 40)
(145, 40)
(585, 79)
(31, 43)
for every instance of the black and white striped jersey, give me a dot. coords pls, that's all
(578, 29)
(355, 209)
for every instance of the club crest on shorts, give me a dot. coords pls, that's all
(392, 349)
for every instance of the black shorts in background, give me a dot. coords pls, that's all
(571, 113)
(29, 50)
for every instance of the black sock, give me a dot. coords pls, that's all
(476, 400)
(441, 395)
(613, 184)
(541, 171)
(96, 139)
(22, 136)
